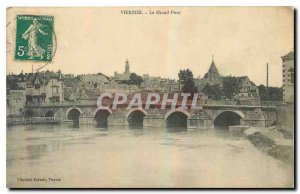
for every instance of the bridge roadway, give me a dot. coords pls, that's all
(211, 114)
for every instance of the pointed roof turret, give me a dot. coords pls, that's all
(213, 68)
(212, 71)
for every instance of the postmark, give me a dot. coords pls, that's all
(34, 38)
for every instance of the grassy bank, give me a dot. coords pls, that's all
(270, 146)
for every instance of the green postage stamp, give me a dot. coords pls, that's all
(34, 38)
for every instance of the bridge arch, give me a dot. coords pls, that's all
(101, 117)
(177, 110)
(97, 109)
(227, 118)
(176, 120)
(49, 113)
(73, 114)
(73, 108)
(29, 113)
(135, 117)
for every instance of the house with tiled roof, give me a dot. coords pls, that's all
(247, 89)
(45, 87)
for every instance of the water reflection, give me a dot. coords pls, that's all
(176, 129)
(36, 151)
(40, 140)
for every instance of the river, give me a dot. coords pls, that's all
(62, 156)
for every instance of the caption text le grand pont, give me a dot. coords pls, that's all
(150, 12)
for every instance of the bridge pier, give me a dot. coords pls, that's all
(154, 120)
(117, 121)
(198, 123)
(199, 120)
(87, 120)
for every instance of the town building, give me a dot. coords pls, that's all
(114, 87)
(288, 77)
(45, 87)
(158, 84)
(123, 76)
(93, 80)
(212, 77)
(15, 102)
(247, 89)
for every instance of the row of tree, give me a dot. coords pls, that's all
(229, 90)
(275, 93)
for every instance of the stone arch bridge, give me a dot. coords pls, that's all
(211, 114)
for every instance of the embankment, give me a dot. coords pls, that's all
(272, 142)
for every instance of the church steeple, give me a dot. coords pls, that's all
(212, 73)
(127, 70)
(213, 68)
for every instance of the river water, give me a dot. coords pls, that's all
(62, 156)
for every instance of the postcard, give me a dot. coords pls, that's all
(150, 97)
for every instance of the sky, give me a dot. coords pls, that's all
(93, 40)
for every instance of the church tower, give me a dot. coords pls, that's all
(212, 74)
(127, 71)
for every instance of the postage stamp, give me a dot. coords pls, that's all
(34, 38)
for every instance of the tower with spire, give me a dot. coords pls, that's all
(123, 76)
(212, 75)
(127, 70)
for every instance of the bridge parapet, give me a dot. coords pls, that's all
(62, 104)
(93, 102)
(32, 120)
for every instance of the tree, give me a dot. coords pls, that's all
(185, 75)
(135, 79)
(230, 87)
(186, 78)
(213, 92)
(262, 92)
(189, 86)
(275, 93)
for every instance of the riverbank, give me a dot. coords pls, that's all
(275, 142)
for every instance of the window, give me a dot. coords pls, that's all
(292, 74)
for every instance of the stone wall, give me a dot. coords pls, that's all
(87, 120)
(154, 121)
(285, 117)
